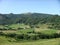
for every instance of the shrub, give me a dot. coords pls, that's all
(37, 26)
(11, 35)
(1, 28)
(1, 33)
(19, 36)
(19, 28)
(26, 36)
(34, 37)
(50, 27)
(31, 26)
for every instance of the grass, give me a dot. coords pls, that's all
(14, 26)
(4, 41)
(49, 32)
(42, 29)
(1, 26)
(18, 25)
(25, 30)
(11, 41)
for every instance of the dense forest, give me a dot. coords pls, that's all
(31, 19)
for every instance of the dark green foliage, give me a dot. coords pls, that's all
(26, 37)
(1, 28)
(31, 26)
(1, 34)
(32, 36)
(37, 26)
(10, 35)
(20, 28)
(31, 19)
(20, 36)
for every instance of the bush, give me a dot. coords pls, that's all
(50, 27)
(11, 35)
(20, 28)
(31, 26)
(1, 33)
(33, 37)
(19, 36)
(37, 26)
(26, 37)
(1, 28)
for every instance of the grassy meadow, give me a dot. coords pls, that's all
(30, 31)
(4, 41)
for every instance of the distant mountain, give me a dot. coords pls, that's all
(28, 18)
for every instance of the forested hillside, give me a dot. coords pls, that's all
(29, 28)
(31, 19)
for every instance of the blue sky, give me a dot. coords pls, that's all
(24, 6)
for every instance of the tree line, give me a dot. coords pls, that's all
(31, 19)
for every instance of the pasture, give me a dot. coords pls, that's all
(29, 31)
(4, 41)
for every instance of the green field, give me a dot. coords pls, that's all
(4, 41)
(31, 31)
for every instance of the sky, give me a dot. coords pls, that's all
(34, 6)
